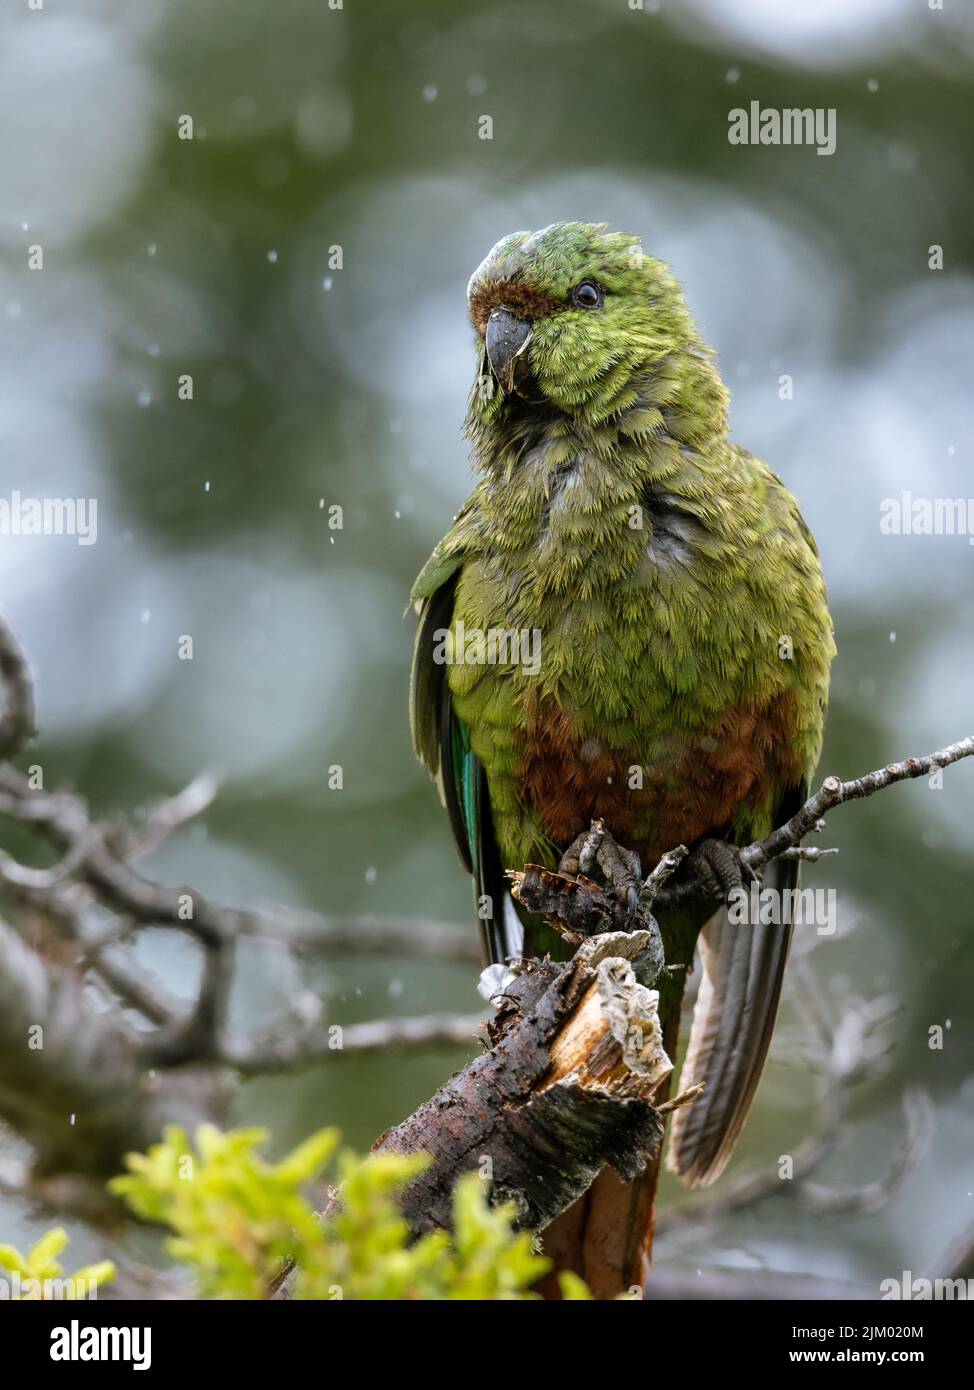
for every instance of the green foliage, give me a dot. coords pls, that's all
(574, 1289)
(237, 1220)
(40, 1275)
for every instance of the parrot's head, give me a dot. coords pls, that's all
(576, 319)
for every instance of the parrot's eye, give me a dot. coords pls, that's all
(587, 296)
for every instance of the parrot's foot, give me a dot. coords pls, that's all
(596, 855)
(715, 865)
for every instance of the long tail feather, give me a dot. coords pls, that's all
(732, 1024)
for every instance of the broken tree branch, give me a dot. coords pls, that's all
(575, 1060)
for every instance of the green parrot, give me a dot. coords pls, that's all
(626, 620)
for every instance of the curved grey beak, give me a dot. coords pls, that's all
(506, 339)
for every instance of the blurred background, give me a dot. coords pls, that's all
(323, 381)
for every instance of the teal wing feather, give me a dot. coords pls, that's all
(442, 743)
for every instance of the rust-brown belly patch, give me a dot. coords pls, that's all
(694, 789)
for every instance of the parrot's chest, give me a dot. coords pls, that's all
(608, 674)
(611, 611)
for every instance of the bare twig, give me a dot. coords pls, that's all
(833, 792)
(62, 905)
(137, 988)
(283, 1053)
(808, 854)
(170, 814)
(667, 866)
(308, 934)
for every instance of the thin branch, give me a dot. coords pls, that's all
(833, 792)
(308, 934)
(664, 870)
(63, 820)
(135, 986)
(284, 1053)
(17, 875)
(170, 814)
(195, 1037)
(807, 854)
(97, 857)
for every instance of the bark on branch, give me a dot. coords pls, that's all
(575, 1058)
